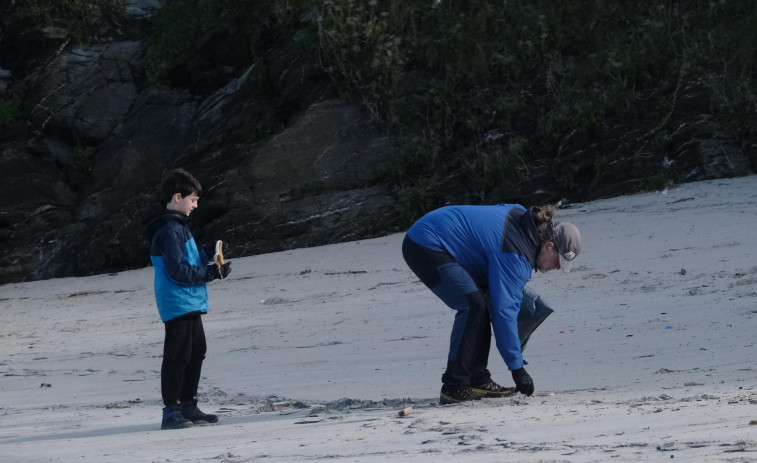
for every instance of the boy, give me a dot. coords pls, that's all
(181, 272)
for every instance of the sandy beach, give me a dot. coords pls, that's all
(649, 356)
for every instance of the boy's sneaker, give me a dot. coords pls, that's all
(457, 394)
(492, 389)
(173, 419)
(195, 415)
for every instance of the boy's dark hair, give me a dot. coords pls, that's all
(179, 181)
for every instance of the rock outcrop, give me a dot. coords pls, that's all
(284, 161)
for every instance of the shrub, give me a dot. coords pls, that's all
(177, 26)
(8, 111)
(361, 46)
(81, 13)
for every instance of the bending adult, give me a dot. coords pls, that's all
(477, 260)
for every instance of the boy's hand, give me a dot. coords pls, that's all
(225, 269)
(217, 271)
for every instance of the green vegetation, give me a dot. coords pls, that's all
(8, 111)
(484, 91)
(652, 183)
(180, 25)
(84, 158)
(80, 13)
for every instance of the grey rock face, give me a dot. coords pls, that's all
(85, 92)
(284, 162)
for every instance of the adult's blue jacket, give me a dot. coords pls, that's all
(498, 246)
(181, 270)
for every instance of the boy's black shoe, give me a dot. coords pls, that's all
(492, 389)
(195, 415)
(457, 394)
(173, 419)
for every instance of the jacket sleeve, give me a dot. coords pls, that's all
(176, 249)
(204, 257)
(508, 275)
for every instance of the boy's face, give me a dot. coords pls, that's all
(183, 204)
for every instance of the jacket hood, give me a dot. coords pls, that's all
(533, 234)
(153, 224)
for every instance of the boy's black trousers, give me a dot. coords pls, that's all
(183, 352)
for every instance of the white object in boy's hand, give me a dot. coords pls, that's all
(218, 256)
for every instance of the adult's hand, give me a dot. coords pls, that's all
(523, 382)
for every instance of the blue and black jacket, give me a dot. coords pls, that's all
(181, 270)
(498, 246)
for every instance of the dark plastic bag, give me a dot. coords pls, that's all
(533, 311)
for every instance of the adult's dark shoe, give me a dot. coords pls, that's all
(457, 394)
(194, 414)
(173, 419)
(491, 389)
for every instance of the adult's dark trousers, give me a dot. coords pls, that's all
(183, 352)
(471, 332)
